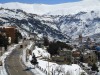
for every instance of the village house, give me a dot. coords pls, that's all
(66, 54)
(10, 32)
(64, 57)
(76, 53)
(89, 57)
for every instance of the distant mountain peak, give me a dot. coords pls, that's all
(85, 20)
(55, 9)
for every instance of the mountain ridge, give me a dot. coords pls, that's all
(66, 24)
(55, 9)
(29, 23)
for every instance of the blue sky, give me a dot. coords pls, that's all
(39, 1)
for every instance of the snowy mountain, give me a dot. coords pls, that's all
(28, 22)
(57, 9)
(58, 21)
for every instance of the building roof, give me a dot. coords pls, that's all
(97, 48)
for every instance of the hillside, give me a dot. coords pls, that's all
(28, 22)
(59, 21)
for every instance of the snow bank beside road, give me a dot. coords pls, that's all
(41, 52)
(73, 69)
(3, 57)
(50, 67)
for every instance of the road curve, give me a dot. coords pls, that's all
(14, 65)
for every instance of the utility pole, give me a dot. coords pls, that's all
(48, 67)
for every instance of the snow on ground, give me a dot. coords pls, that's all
(50, 67)
(2, 58)
(40, 52)
(27, 63)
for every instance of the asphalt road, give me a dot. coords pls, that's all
(14, 65)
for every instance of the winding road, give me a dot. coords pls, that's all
(14, 65)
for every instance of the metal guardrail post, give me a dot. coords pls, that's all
(0, 63)
(0, 51)
(1, 66)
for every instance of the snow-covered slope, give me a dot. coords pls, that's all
(57, 9)
(85, 23)
(28, 22)
(59, 20)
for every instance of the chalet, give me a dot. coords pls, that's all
(9, 32)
